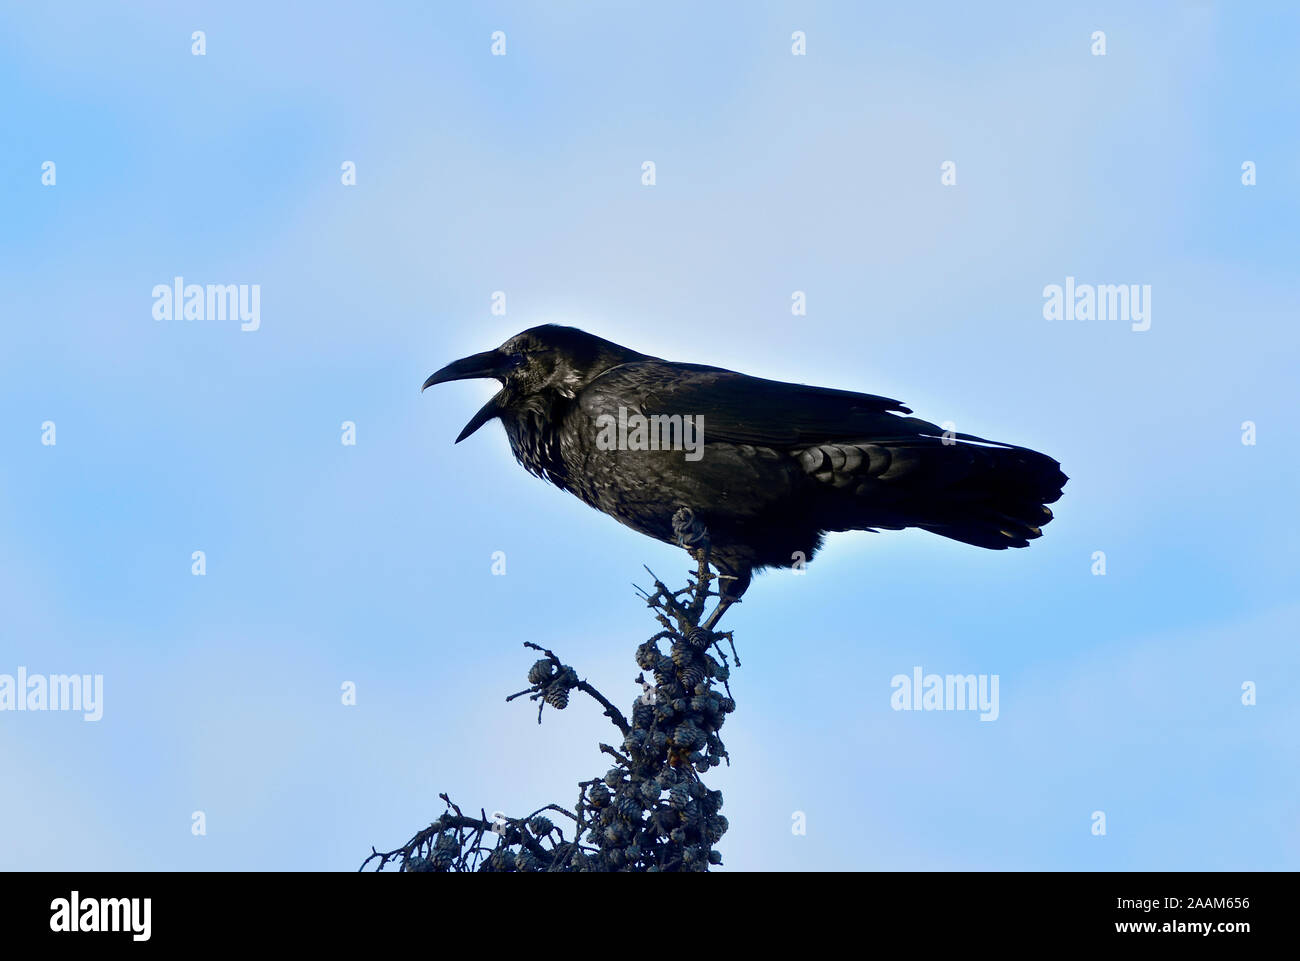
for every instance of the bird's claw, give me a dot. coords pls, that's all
(690, 533)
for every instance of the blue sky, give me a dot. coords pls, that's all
(372, 563)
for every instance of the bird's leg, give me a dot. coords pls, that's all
(693, 535)
(730, 589)
(725, 600)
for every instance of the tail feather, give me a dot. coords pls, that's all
(1003, 502)
(968, 489)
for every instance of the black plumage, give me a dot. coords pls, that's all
(780, 464)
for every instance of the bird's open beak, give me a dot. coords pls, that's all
(487, 364)
(485, 413)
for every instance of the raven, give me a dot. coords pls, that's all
(773, 467)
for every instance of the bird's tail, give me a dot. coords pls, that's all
(996, 497)
(958, 486)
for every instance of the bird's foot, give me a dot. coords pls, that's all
(689, 531)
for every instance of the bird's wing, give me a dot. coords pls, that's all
(899, 471)
(741, 409)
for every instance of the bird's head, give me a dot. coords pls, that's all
(535, 368)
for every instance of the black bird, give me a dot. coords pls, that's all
(780, 464)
